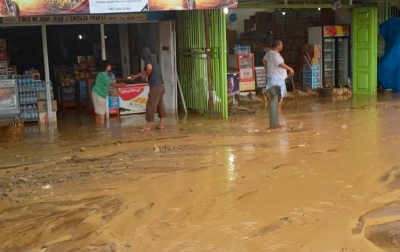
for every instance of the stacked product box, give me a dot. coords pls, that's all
(261, 77)
(113, 101)
(42, 102)
(311, 75)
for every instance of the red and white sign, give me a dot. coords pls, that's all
(133, 98)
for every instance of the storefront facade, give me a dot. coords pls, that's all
(165, 46)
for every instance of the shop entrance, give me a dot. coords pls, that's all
(74, 51)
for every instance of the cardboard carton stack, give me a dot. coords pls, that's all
(3, 60)
(311, 68)
(42, 105)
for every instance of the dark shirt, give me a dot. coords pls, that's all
(155, 77)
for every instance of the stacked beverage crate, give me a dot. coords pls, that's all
(311, 75)
(261, 77)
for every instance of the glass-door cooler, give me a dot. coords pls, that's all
(247, 76)
(9, 106)
(343, 61)
(329, 62)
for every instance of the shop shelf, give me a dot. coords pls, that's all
(30, 120)
(27, 103)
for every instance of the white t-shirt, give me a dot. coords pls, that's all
(274, 59)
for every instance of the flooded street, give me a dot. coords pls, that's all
(208, 185)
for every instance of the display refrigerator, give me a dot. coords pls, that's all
(9, 105)
(244, 64)
(335, 58)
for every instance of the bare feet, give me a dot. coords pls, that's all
(147, 127)
(161, 124)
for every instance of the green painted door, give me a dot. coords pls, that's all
(364, 50)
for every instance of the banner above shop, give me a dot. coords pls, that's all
(191, 4)
(117, 6)
(75, 19)
(29, 8)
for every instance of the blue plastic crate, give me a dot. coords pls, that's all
(309, 74)
(113, 102)
(311, 80)
(308, 68)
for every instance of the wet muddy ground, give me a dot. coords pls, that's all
(325, 182)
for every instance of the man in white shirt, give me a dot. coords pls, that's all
(276, 69)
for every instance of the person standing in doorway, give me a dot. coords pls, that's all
(276, 69)
(155, 102)
(100, 90)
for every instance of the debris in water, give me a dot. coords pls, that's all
(47, 186)
(344, 126)
(23, 179)
(156, 149)
(82, 149)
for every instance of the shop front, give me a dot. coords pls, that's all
(69, 73)
(38, 92)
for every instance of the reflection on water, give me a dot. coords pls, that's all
(231, 165)
(73, 128)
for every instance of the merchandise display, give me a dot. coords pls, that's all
(261, 77)
(31, 91)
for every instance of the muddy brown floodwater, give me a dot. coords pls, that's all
(325, 182)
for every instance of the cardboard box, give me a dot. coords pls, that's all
(81, 59)
(113, 92)
(133, 98)
(3, 44)
(68, 97)
(263, 21)
(313, 61)
(3, 54)
(91, 60)
(42, 106)
(313, 54)
(41, 96)
(43, 118)
(307, 48)
(230, 38)
(247, 85)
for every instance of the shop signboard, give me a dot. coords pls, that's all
(30, 8)
(336, 31)
(117, 6)
(190, 4)
(75, 19)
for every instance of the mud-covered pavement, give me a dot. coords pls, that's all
(201, 185)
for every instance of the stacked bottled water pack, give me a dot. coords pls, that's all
(28, 88)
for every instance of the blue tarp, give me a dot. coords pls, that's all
(389, 65)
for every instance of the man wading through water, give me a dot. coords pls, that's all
(276, 69)
(156, 95)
